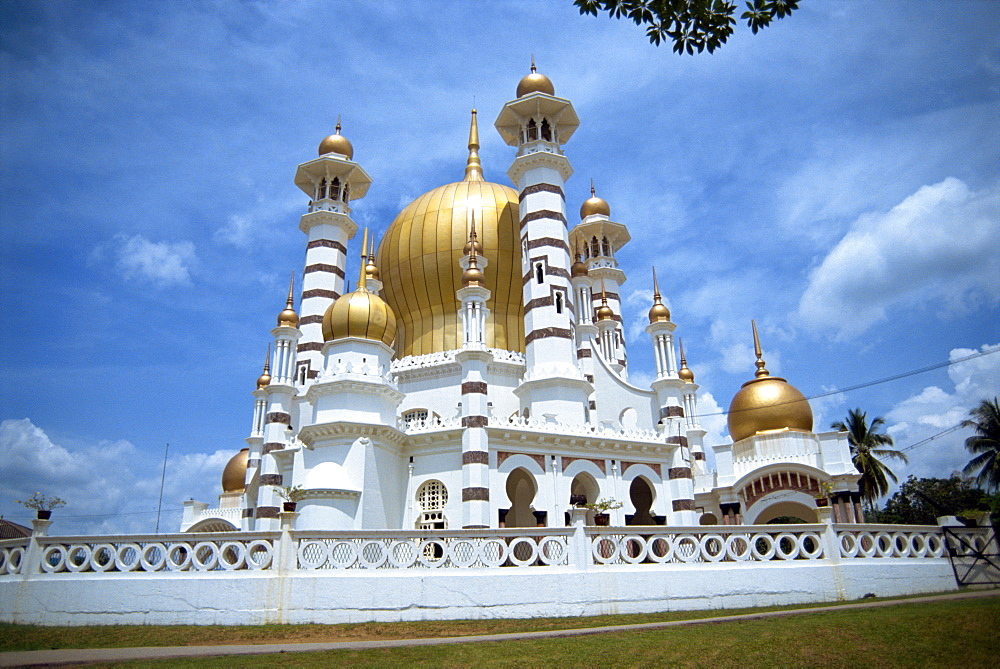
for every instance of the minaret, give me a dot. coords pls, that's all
(474, 358)
(599, 238)
(608, 328)
(331, 181)
(256, 443)
(538, 124)
(586, 330)
(695, 434)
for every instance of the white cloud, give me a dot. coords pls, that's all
(109, 486)
(940, 245)
(162, 263)
(713, 421)
(935, 409)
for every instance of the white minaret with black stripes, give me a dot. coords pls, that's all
(331, 181)
(538, 124)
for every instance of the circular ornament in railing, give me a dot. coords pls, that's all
(102, 557)
(372, 554)
(552, 550)
(935, 545)
(634, 549)
(15, 560)
(848, 544)
(205, 556)
(918, 545)
(605, 549)
(687, 548)
(179, 557)
(712, 547)
(786, 546)
(127, 557)
(232, 555)
(738, 547)
(78, 558)
(313, 553)
(493, 552)
(900, 545)
(259, 554)
(866, 544)
(153, 557)
(660, 548)
(463, 553)
(762, 546)
(523, 551)
(53, 559)
(807, 539)
(883, 544)
(402, 554)
(4, 560)
(432, 553)
(343, 554)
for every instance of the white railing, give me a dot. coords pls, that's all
(448, 357)
(583, 429)
(458, 549)
(898, 541)
(12, 552)
(429, 424)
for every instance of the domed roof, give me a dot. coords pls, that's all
(419, 256)
(535, 83)
(265, 378)
(579, 267)
(767, 403)
(288, 318)
(594, 205)
(235, 474)
(684, 374)
(336, 143)
(360, 314)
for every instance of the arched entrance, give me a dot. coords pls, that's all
(786, 509)
(583, 484)
(641, 495)
(521, 491)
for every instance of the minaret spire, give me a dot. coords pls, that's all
(761, 369)
(473, 168)
(364, 263)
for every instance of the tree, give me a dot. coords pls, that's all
(867, 447)
(985, 442)
(692, 25)
(921, 501)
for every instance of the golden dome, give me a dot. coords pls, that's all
(234, 476)
(767, 403)
(265, 378)
(360, 314)
(288, 318)
(535, 83)
(658, 313)
(420, 253)
(594, 205)
(685, 374)
(579, 267)
(604, 312)
(473, 276)
(336, 143)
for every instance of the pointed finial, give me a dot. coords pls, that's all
(658, 313)
(337, 129)
(265, 378)
(291, 289)
(288, 317)
(472, 276)
(473, 168)
(472, 237)
(371, 269)
(593, 191)
(364, 257)
(604, 312)
(656, 287)
(761, 369)
(533, 63)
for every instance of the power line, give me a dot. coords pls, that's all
(932, 437)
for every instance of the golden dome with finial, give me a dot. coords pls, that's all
(360, 313)
(535, 83)
(336, 143)
(579, 267)
(604, 312)
(234, 475)
(371, 269)
(594, 205)
(264, 379)
(767, 403)
(473, 247)
(658, 313)
(685, 374)
(473, 276)
(420, 252)
(288, 318)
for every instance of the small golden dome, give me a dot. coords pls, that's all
(685, 374)
(288, 318)
(604, 313)
(658, 313)
(360, 314)
(473, 276)
(767, 403)
(265, 378)
(579, 267)
(234, 475)
(336, 143)
(371, 269)
(594, 205)
(535, 83)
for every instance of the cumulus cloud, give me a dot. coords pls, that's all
(940, 245)
(161, 263)
(109, 486)
(935, 409)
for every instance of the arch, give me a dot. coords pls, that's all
(546, 130)
(781, 503)
(213, 525)
(628, 418)
(708, 519)
(585, 484)
(641, 494)
(432, 498)
(521, 490)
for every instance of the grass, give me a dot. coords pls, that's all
(37, 637)
(934, 634)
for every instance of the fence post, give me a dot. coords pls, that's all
(579, 543)
(33, 554)
(831, 544)
(287, 550)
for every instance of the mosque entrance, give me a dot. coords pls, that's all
(584, 486)
(641, 495)
(521, 491)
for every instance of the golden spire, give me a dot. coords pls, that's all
(604, 312)
(472, 247)
(337, 129)
(364, 261)
(265, 378)
(684, 373)
(593, 191)
(288, 317)
(371, 269)
(473, 276)
(658, 313)
(579, 267)
(533, 63)
(761, 370)
(473, 168)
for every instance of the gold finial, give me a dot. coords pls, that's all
(656, 287)
(579, 268)
(337, 129)
(371, 269)
(684, 373)
(472, 246)
(533, 63)
(658, 313)
(593, 191)
(364, 261)
(265, 378)
(473, 276)
(604, 312)
(473, 168)
(288, 317)
(761, 369)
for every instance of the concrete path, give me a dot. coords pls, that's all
(36, 658)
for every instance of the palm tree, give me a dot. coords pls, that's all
(868, 446)
(985, 442)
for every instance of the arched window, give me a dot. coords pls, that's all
(335, 189)
(539, 273)
(559, 303)
(532, 130)
(606, 247)
(546, 131)
(595, 248)
(321, 193)
(432, 497)
(347, 193)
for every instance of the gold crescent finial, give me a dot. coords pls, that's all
(473, 168)
(761, 369)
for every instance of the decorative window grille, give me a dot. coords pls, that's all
(432, 497)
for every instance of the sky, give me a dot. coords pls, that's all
(835, 177)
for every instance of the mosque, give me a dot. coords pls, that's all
(477, 375)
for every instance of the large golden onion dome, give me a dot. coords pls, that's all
(361, 314)
(594, 205)
(535, 83)
(235, 474)
(419, 256)
(336, 143)
(767, 403)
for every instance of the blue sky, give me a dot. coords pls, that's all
(836, 177)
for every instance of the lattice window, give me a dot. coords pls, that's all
(415, 415)
(432, 497)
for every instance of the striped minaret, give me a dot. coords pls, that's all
(331, 181)
(474, 358)
(538, 124)
(695, 433)
(256, 443)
